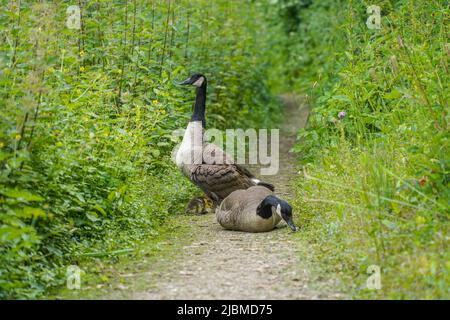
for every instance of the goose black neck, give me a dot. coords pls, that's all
(200, 102)
(264, 210)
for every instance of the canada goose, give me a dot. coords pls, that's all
(205, 164)
(256, 209)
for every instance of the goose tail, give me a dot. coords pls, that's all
(269, 186)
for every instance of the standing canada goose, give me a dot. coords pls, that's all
(205, 164)
(256, 209)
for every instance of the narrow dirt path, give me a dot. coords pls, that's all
(220, 264)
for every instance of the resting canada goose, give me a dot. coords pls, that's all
(205, 164)
(256, 209)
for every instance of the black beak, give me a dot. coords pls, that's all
(185, 82)
(291, 224)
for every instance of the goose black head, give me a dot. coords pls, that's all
(284, 209)
(273, 205)
(196, 80)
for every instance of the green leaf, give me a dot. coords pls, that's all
(112, 196)
(394, 94)
(156, 153)
(92, 215)
(389, 224)
(33, 212)
(21, 195)
(100, 209)
(395, 207)
(4, 155)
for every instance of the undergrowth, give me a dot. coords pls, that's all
(87, 116)
(375, 184)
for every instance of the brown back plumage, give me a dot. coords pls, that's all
(218, 176)
(219, 180)
(238, 211)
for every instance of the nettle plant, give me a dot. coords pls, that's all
(88, 104)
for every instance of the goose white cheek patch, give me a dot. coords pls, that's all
(199, 82)
(279, 210)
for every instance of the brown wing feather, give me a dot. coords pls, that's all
(214, 155)
(219, 176)
(220, 179)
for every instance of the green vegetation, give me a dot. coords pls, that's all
(104, 278)
(375, 188)
(87, 118)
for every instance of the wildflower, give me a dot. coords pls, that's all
(2, 145)
(154, 101)
(81, 53)
(341, 115)
(18, 137)
(423, 181)
(82, 69)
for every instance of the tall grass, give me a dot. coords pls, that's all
(87, 117)
(375, 188)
